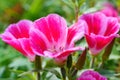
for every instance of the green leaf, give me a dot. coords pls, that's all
(81, 60)
(20, 62)
(25, 73)
(44, 74)
(69, 61)
(107, 73)
(53, 71)
(107, 52)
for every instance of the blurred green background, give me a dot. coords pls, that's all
(12, 63)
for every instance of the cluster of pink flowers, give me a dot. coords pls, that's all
(50, 37)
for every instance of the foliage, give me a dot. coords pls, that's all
(13, 66)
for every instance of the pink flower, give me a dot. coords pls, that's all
(100, 31)
(91, 75)
(17, 35)
(52, 38)
(109, 10)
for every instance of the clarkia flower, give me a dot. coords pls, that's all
(109, 10)
(100, 31)
(17, 35)
(91, 75)
(52, 38)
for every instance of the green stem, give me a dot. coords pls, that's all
(76, 13)
(63, 72)
(92, 62)
(100, 65)
(38, 67)
(74, 72)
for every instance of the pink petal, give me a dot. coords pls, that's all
(58, 27)
(88, 19)
(100, 42)
(95, 22)
(16, 44)
(11, 40)
(64, 53)
(118, 19)
(67, 52)
(6, 36)
(109, 10)
(103, 41)
(75, 32)
(60, 57)
(43, 26)
(25, 45)
(54, 28)
(24, 27)
(112, 26)
(90, 40)
(21, 29)
(39, 42)
(21, 45)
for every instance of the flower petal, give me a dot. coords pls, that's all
(109, 10)
(75, 32)
(67, 52)
(64, 53)
(39, 42)
(24, 27)
(25, 45)
(112, 26)
(90, 40)
(17, 36)
(100, 43)
(21, 29)
(95, 22)
(60, 57)
(54, 28)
